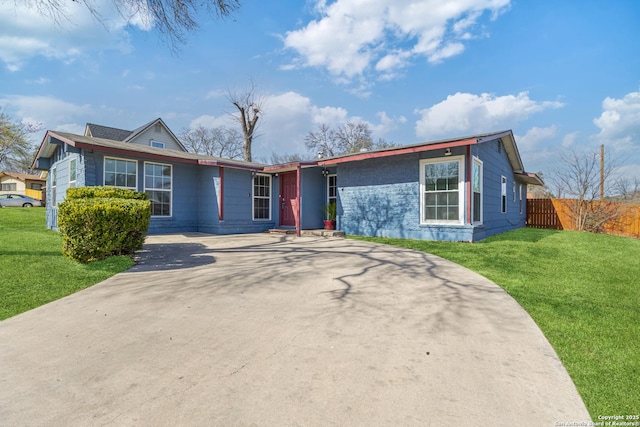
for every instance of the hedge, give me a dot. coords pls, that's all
(106, 192)
(95, 228)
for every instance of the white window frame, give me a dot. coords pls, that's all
(54, 184)
(72, 182)
(520, 190)
(335, 197)
(481, 169)
(503, 194)
(514, 191)
(156, 144)
(170, 190)
(461, 187)
(9, 186)
(104, 171)
(254, 196)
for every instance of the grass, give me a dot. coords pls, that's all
(583, 291)
(33, 270)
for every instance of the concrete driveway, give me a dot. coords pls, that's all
(261, 330)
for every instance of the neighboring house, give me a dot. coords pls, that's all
(462, 189)
(21, 183)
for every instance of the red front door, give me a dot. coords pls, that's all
(288, 191)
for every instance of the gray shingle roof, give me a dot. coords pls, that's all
(106, 132)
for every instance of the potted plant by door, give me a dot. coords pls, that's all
(330, 211)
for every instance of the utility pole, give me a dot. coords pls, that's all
(602, 172)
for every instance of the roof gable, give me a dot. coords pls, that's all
(139, 131)
(21, 176)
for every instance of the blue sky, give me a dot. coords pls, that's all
(562, 75)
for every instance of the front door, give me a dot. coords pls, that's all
(288, 192)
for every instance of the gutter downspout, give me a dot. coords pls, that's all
(468, 177)
(298, 197)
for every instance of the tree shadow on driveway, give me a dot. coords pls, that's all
(171, 256)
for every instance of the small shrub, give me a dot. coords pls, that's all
(95, 228)
(104, 192)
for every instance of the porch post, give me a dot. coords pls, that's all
(468, 178)
(298, 197)
(221, 195)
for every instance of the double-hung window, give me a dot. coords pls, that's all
(441, 195)
(503, 194)
(476, 188)
(332, 189)
(158, 186)
(54, 173)
(72, 173)
(520, 190)
(120, 173)
(262, 197)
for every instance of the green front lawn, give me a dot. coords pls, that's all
(33, 270)
(583, 290)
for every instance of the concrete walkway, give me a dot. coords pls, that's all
(260, 330)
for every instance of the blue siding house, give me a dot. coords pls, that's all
(461, 189)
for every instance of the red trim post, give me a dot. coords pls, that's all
(298, 197)
(468, 178)
(221, 196)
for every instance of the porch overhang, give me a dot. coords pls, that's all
(529, 178)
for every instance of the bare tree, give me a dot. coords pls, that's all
(249, 110)
(281, 159)
(540, 191)
(16, 150)
(351, 137)
(323, 140)
(627, 189)
(173, 19)
(217, 142)
(578, 176)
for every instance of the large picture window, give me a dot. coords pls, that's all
(262, 197)
(158, 186)
(9, 187)
(441, 191)
(120, 173)
(476, 188)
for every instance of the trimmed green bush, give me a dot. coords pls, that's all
(105, 192)
(94, 228)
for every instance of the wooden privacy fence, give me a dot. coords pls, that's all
(560, 214)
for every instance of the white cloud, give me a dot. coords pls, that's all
(534, 136)
(351, 36)
(287, 119)
(43, 109)
(216, 93)
(74, 128)
(619, 122)
(27, 33)
(211, 121)
(469, 113)
(569, 139)
(47, 112)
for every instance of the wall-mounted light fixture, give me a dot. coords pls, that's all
(447, 152)
(253, 174)
(275, 174)
(325, 172)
